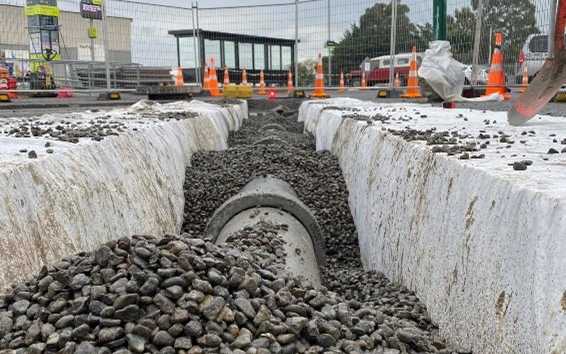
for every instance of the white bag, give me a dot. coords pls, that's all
(446, 75)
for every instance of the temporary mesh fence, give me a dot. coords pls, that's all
(147, 38)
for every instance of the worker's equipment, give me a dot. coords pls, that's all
(290, 87)
(413, 89)
(319, 81)
(261, 90)
(549, 79)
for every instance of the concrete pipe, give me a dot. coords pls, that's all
(273, 200)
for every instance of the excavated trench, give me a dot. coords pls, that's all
(261, 275)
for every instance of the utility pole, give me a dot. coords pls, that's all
(195, 46)
(439, 20)
(477, 41)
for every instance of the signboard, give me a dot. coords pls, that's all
(91, 9)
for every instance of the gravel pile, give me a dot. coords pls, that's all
(183, 295)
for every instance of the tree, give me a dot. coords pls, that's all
(371, 38)
(460, 34)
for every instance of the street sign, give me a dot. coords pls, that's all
(91, 9)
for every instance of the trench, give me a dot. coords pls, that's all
(188, 293)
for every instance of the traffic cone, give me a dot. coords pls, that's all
(179, 80)
(214, 91)
(342, 87)
(244, 77)
(319, 81)
(525, 81)
(206, 80)
(290, 87)
(226, 77)
(363, 85)
(496, 75)
(261, 91)
(413, 90)
(397, 81)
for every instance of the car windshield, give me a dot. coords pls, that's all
(539, 44)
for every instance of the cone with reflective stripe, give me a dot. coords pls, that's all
(244, 77)
(214, 91)
(226, 77)
(319, 81)
(397, 81)
(261, 90)
(364, 83)
(290, 87)
(206, 80)
(525, 81)
(413, 89)
(342, 87)
(496, 76)
(179, 80)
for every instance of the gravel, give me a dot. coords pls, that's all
(183, 294)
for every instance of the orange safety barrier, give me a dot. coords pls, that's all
(397, 81)
(290, 87)
(226, 77)
(342, 85)
(179, 79)
(363, 83)
(525, 80)
(413, 90)
(244, 77)
(261, 90)
(214, 91)
(496, 75)
(319, 80)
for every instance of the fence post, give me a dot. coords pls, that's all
(106, 43)
(551, 29)
(393, 42)
(195, 47)
(296, 43)
(477, 41)
(329, 49)
(439, 20)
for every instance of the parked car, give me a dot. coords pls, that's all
(377, 69)
(533, 54)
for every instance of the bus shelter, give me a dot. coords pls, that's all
(236, 52)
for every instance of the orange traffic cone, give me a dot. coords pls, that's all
(397, 81)
(179, 80)
(496, 75)
(413, 90)
(226, 77)
(290, 87)
(214, 91)
(364, 83)
(206, 79)
(525, 81)
(319, 81)
(244, 77)
(261, 91)
(342, 87)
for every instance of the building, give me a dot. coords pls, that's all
(74, 40)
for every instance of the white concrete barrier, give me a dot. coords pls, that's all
(482, 245)
(89, 193)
